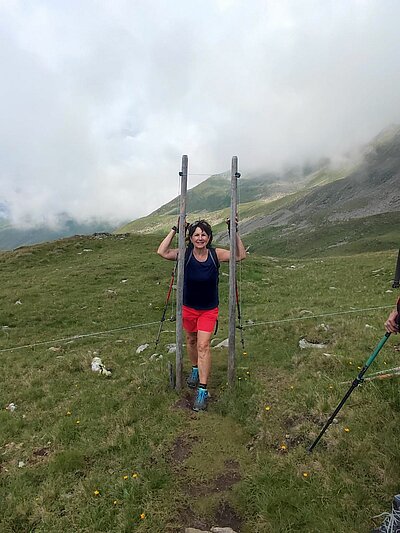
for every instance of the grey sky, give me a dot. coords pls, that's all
(99, 99)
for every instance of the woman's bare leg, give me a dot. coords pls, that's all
(191, 345)
(204, 355)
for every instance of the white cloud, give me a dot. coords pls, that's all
(99, 100)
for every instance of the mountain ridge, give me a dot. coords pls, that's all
(364, 186)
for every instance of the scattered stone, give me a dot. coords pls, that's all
(155, 357)
(223, 344)
(367, 326)
(18, 302)
(11, 407)
(323, 327)
(222, 530)
(171, 348)
(332, 288)
(111, 292)
(97, 366)
(389, 290)
(303, 343)
(21, 464)
(142, 347)
(124, 280)
(87, 250)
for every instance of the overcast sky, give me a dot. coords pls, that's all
(100, 99)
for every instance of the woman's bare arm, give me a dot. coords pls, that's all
(164, 249)
(224, 255)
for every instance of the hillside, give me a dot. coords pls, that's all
(311, 210)
(12, 237)
(85, 452)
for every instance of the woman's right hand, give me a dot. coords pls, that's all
(391, 324)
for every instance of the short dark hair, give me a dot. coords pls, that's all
(204, 226)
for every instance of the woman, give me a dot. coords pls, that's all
(200, 298)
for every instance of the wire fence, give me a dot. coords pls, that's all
(147, 324)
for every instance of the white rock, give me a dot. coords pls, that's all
(21, 464)
(332, 288)
(222, 530)
(11, 407)
(18, 302)
(142, 347)
(171, 348)
(367, 326)
(303, 343)
(388, 290)
(97, 366)
(223, 344)
(124, 280)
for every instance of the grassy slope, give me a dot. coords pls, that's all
(361, 235)
(188, 471)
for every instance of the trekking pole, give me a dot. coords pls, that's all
(396, 280)
(355, 383)
(166, 306)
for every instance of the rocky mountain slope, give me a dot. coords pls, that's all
(307, 209)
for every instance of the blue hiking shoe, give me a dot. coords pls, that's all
(200, 403)
(193, 379)
(392, 520)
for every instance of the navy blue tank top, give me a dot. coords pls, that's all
(200, 287)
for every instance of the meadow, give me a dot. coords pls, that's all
(88, 453)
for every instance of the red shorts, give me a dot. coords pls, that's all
(199, 320)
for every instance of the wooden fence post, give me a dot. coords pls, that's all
(232, 274)
(181, 265)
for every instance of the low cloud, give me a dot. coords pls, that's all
(99, 101)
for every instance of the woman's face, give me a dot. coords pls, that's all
(199, 238)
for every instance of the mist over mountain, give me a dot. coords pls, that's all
(12, 237)
(352, 205)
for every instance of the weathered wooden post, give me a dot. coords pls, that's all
(232, 274)
(181, 265)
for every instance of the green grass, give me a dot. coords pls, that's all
(138, 443)
(356, 236)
